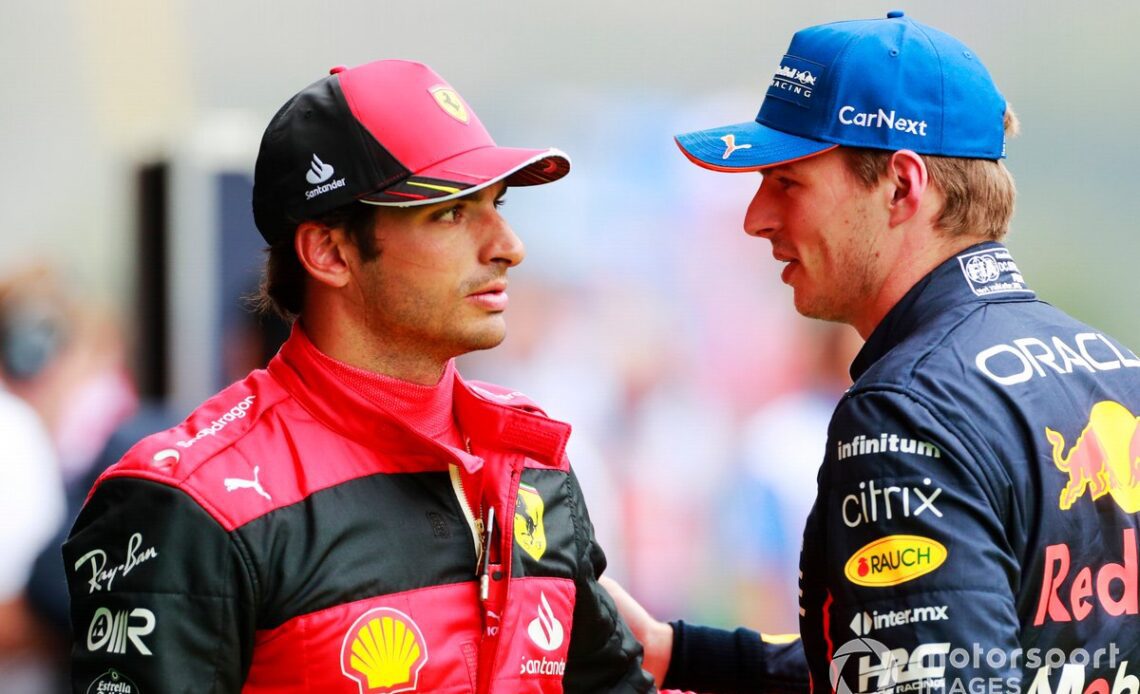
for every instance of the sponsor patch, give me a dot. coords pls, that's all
(992, 271)
(548, 634)
(383, 652)
(112, 682)
(530, 534)
(1027, 358)
(234, 483)
(795, 81)
(886, 670)
(881, 119)
(235, 413)
(874, 502)
(866, 622)
(545, 630)
(884, 443)
(894, 559)
(120, 631)
(1073, 680)
(103, 576)
(449, 101)
(1102, 459)
(1112, 586)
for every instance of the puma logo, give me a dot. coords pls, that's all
(233, 483)
(730, 145)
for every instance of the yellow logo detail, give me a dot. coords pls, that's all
(1105, 458)
(384, 652)
(449, 101)
(529, 531)
(894, 559)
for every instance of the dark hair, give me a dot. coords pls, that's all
(282, 289)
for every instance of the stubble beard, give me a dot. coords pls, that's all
(840, 298)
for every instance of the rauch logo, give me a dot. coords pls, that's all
(894, 559)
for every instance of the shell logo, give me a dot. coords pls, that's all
(894, 559)
(384, 651)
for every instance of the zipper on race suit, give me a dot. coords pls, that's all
(474, 521)
(480, 530)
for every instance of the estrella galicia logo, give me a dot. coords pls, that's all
(112, 682)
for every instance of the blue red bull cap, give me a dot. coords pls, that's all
(888, 84)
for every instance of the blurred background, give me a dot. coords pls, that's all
(642, 314)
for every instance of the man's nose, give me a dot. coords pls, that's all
(760, 219)
(504, 245)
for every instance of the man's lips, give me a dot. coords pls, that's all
(791, 264)
(492, 297)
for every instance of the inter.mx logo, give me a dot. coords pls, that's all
(866, 622)
(882, 669)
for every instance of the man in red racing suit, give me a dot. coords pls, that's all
(357, 518)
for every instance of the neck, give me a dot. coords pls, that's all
(914, 258)
(337, 336)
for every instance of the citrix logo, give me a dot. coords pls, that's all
(859, 509)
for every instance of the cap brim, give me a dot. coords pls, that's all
(748, 146)
(472, 171)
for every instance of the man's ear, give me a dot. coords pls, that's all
(322, 250)
(907, 173)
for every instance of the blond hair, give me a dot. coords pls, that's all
(979, 193)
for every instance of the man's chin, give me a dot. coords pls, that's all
(809, 308)
(487, 337)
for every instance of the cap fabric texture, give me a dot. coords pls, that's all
(889, 84)
(390, 132)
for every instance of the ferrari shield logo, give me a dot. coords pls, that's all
(529, 532)
(450, 102)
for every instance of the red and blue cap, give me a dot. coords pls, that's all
(391, 133)
(887, 84)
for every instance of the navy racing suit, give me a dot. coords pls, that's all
(975, 525)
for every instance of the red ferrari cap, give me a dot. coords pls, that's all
(390, 132)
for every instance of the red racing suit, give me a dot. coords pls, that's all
(290, 537)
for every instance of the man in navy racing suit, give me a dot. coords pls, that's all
(975, 525)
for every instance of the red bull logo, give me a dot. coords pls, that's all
(1114, 587)
(1105, 458)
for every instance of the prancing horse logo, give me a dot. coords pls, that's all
(449, 101)
(530, 533)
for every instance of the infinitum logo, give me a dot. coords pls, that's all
(319, 172)
(884, 443)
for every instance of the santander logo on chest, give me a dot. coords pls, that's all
(547, 639)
